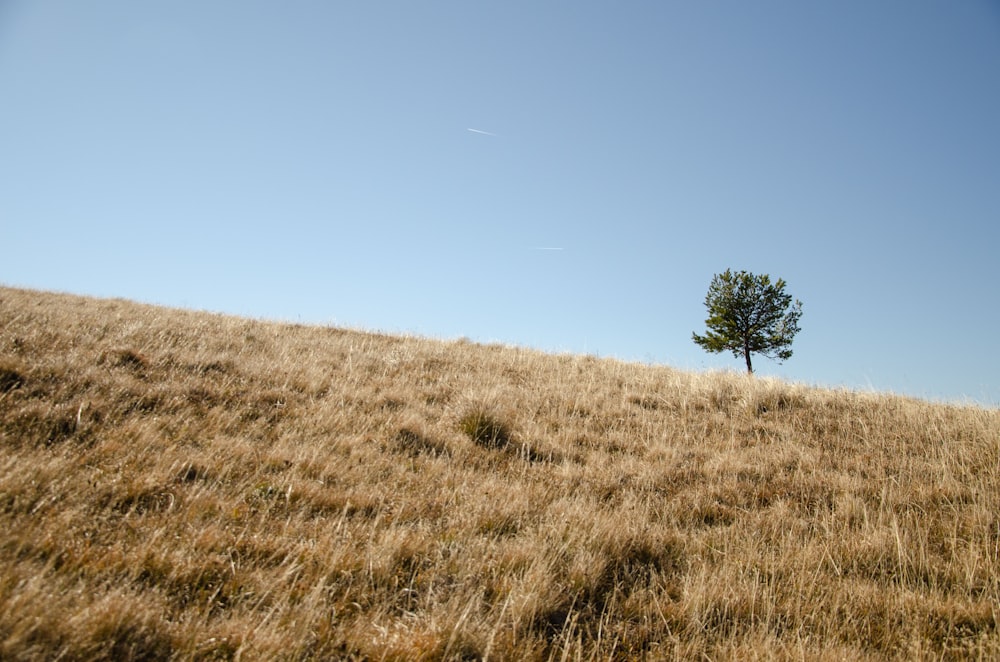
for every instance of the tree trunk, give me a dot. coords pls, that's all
(746, 354)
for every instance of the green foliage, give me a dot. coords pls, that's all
(748, 314)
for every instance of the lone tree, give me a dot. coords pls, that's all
(748, 314)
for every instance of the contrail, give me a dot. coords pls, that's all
(485, 133)
(547, 248)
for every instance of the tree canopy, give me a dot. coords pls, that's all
(748, 314)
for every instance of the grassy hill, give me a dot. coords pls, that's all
(181, 485)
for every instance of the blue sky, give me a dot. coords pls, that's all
(313, 162)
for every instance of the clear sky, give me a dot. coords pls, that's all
(399, 166)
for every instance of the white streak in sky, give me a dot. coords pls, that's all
(546, 248)
(485, 133)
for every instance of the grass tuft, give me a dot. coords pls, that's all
(485, 428)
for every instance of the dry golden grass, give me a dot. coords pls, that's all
(178, 485)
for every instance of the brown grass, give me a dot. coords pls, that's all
(179, 485)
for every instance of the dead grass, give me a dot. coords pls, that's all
(179, 485)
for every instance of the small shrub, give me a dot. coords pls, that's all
(485, 429)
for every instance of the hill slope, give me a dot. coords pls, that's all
(193, 486)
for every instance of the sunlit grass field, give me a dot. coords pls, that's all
(189, 486)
